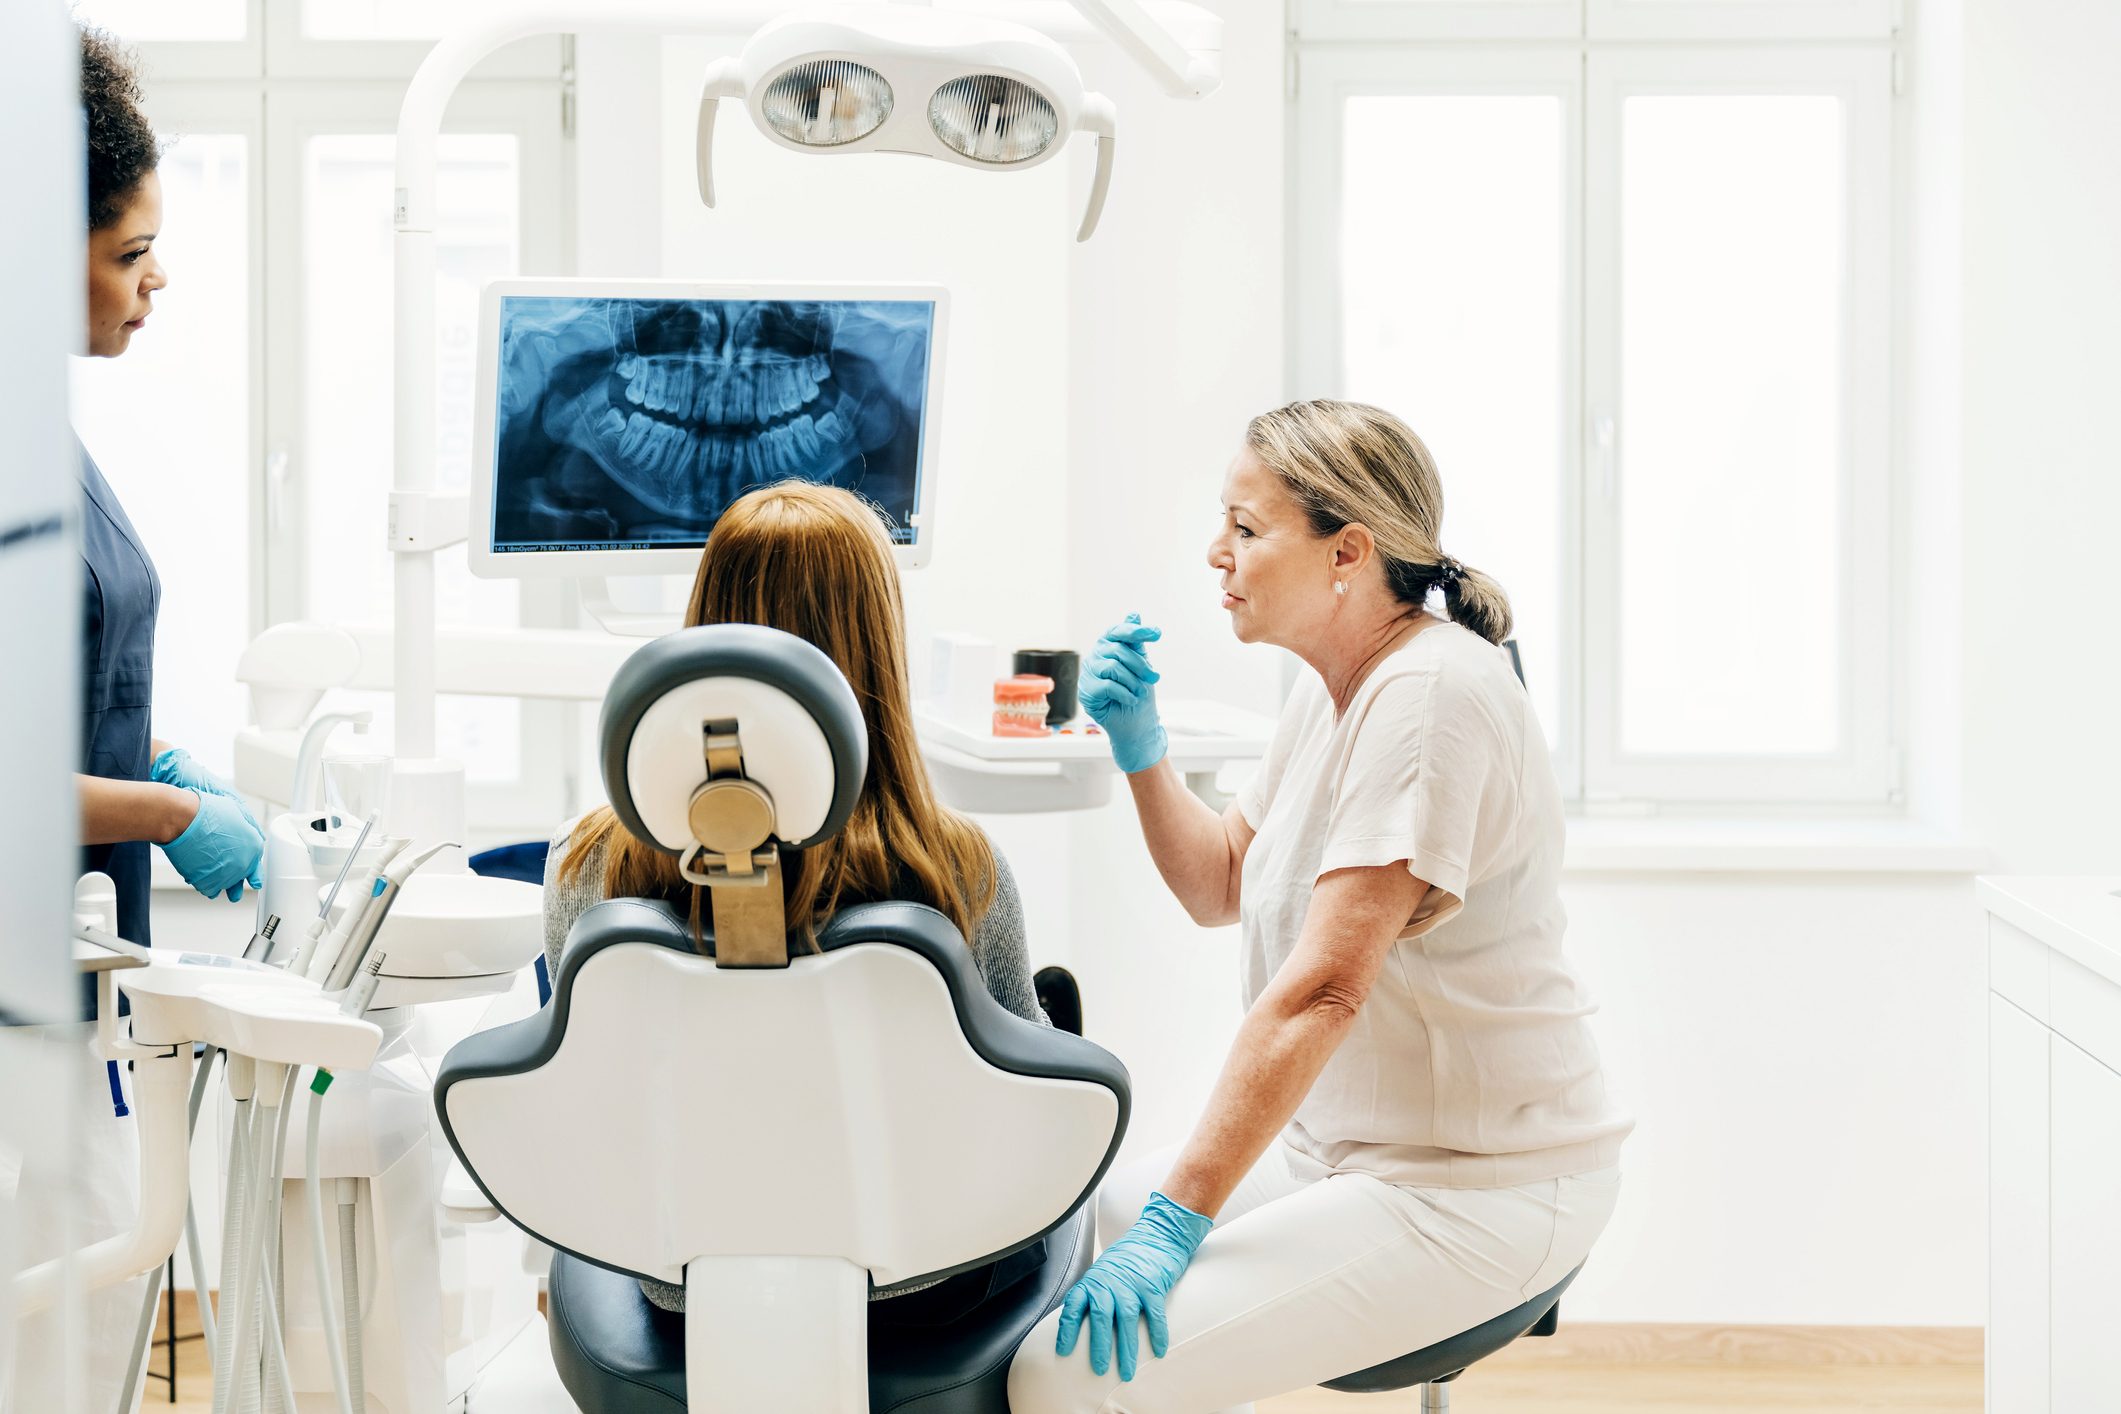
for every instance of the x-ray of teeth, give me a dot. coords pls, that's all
(633, 423)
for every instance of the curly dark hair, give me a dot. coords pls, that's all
(122, 147)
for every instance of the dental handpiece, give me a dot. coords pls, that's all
(371, 924)
(364, 987)
(324, 963)
(260, 945)
(321, 924)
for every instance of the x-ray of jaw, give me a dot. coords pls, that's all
(637, 421)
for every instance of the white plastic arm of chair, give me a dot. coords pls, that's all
(722, 81)
(1098, 117)
(159, 1083)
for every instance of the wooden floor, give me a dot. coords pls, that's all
(1543, 1386)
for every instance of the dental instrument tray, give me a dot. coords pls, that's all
(979, 771)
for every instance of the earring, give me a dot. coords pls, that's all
(1340, 586)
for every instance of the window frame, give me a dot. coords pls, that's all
(276, 88)
(1861, 770)
(1390, 20)
(171, 61)
(1596, 76)
(1327, 79)
(295, 113)
(1700, 20)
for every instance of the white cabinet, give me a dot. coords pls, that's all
(2084, 1315)
(2018, 1212)
(2054, 1131)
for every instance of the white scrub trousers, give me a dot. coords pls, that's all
(1308, 1279)
(105, 1196)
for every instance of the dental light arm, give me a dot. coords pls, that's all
(1182, 73)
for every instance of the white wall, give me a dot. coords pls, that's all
(2043, 497)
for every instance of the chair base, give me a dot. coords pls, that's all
(1436, 1399)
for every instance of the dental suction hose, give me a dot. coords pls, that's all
(350, 1277)
(320, 1256)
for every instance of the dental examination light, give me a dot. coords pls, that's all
(970, 89)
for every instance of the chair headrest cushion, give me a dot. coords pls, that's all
(814, 768)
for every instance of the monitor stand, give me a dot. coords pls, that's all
(637, 606)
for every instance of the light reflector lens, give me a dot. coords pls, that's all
(989, 118)
(826, 103)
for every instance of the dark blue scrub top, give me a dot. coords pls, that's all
(117, 678)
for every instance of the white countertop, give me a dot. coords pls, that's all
(2078, 916)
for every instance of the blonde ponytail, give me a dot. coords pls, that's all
(1353, 464)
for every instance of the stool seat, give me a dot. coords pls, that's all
(618, 1354)
(1447, 1359)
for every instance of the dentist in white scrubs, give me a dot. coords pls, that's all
(1411, 1133)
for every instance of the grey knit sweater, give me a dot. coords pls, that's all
(998, 950)
(998, 947)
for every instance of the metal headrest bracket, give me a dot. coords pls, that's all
(733, 855)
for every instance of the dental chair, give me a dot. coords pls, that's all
(779, 1130)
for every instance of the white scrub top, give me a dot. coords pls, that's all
(1470, 1064)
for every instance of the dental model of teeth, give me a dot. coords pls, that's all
(1020, 706)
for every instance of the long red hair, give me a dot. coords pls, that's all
(815, 561)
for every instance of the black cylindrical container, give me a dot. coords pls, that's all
(1060, 664)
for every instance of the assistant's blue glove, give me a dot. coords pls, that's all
(1118, 690)
(178, 767)
(1129, 1280)
(220, 850)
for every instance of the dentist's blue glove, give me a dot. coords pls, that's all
(220, 850)
(1129, 1280)
(178, 767)
(1118, 690)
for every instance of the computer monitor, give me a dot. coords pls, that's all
(617, 419)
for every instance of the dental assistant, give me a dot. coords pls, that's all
(1412, 1132)
(134, 791)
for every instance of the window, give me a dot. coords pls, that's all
(174, 435)
(1636, 300)
(255, 413)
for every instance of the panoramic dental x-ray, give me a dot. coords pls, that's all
(629, 423)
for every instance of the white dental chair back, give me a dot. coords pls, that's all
(779, 1134)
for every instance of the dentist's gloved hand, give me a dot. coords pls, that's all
(220, 850)
(177, 767)
(1118, 690)
(1129, 1280)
